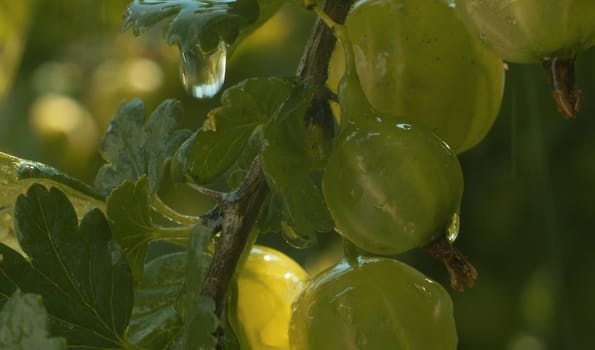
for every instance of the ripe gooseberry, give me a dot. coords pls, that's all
(416, 59)
(378, 303)
(261, 297)
(389, 186)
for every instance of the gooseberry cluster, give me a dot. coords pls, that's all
(417, 81)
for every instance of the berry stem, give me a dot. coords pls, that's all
(560, 74)
(460, 269)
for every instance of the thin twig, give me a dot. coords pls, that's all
(207, 192)
(171, 214)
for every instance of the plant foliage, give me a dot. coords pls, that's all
(133, 146)
(24, 324)
(82, 275)
(193, 23)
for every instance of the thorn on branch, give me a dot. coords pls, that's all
(213, 219)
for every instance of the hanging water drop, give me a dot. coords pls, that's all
(452, 232)
(203, 73)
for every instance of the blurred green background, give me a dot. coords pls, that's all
(528, 216)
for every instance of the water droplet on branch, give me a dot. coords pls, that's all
(203, 73)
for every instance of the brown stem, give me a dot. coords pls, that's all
(560, 74)
(213, 218)
(240, 209)
(460, 269)
(237, 211)
(313, 66)
(314, 63)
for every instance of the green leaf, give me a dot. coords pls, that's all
(272, 213)
(129, 215)
(237, 172)
(133, 146)
(197, 265)
(200, 325)
(169, 309)
(82, 275)
(193, 23)
(198, 311)
(24, 324)
(16, 175)
(290, 167)
(225, 133)
(155, 323)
